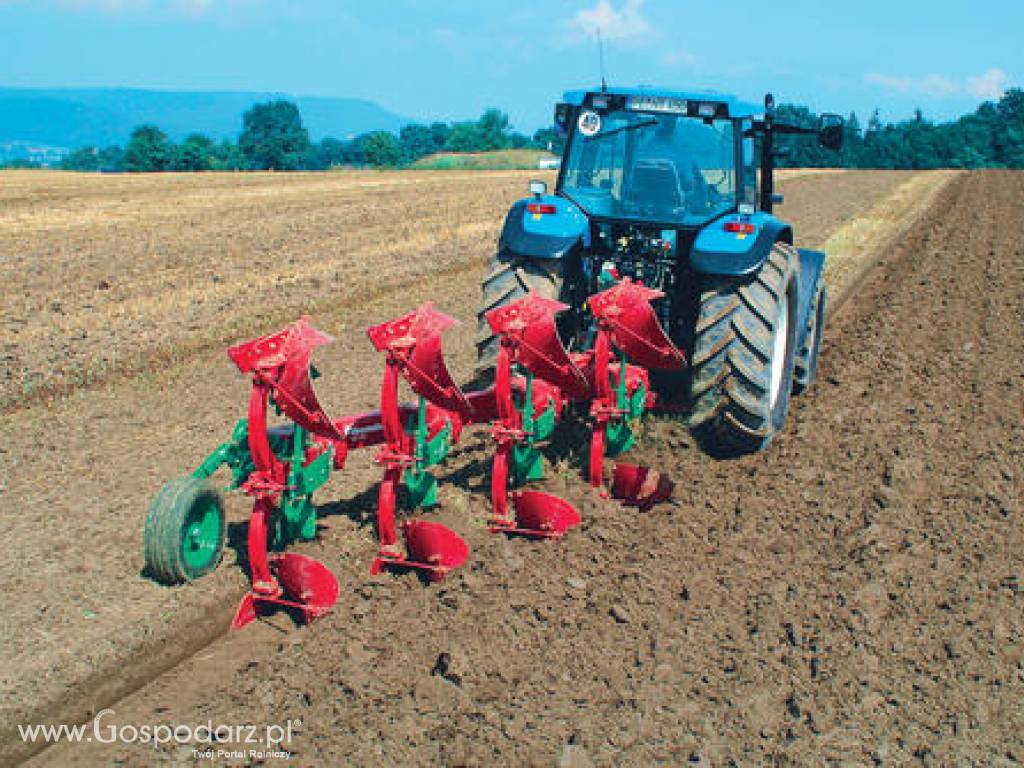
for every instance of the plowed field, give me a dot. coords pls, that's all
(850, 594)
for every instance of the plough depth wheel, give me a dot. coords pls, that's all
(185, 531)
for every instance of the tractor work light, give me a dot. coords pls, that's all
(538, 187)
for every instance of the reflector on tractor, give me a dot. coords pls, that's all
(414, 351)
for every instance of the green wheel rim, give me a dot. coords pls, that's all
(200, 539)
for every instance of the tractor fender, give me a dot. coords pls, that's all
(728, 254)
(812, 273)
(543, 235)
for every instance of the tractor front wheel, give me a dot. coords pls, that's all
(744, 356)
(185, 531)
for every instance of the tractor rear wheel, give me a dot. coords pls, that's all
(744, 355)
(505, 282)
(806, 367)
(185, 531)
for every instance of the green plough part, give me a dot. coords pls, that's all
(429, 451)
(619, 434)
(527, 462)
(297, 520)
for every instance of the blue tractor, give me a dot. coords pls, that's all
(676, 190)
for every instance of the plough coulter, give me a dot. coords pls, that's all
(659, 239)
(537, 382)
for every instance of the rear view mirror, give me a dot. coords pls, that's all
(563, 115)
(830, 131)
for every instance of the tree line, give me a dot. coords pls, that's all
(273, 137)
(990, 137)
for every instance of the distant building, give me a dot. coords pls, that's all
(38, 154)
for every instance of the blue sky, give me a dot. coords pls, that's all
(451, 58)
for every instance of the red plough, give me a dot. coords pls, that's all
(279, 365)
(529, 339)
(413, 347)
(536, 378)
(618, 391)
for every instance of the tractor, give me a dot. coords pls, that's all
(665, 189)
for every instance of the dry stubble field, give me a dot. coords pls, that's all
(149, 277)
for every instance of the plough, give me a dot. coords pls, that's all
(537, 381)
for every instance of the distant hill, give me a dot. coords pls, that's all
(101, 117)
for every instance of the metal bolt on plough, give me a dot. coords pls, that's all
(281, 466)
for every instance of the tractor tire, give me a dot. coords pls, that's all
(185, 531)
(805, 368)
(507, 281)
(744, 356)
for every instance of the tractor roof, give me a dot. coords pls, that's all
(736, 107)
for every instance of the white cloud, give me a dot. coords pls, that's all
(624, 23)
(988, 86)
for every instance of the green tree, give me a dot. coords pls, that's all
(82, 159)
(466, 137)
(328, 153)
(226, 156)
(273, 137)
(148, 151)
(495, 128)
(110, 160)
(195, 153)
(417, 141)
(382, 149)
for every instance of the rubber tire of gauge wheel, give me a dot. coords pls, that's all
(185, 531)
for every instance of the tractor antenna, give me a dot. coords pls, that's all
(600, 59)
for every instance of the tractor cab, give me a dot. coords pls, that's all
(675, 159)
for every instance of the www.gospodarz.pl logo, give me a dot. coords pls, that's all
(233, 741)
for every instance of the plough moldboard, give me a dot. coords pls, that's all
(280, 467)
